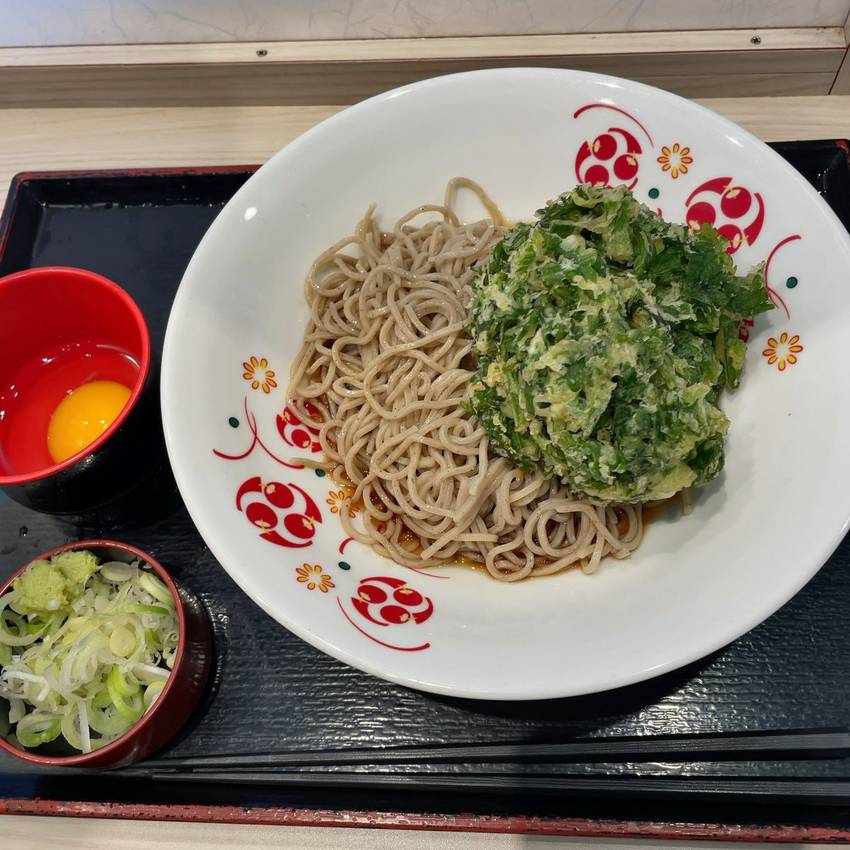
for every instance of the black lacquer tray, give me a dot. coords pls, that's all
(272, 691)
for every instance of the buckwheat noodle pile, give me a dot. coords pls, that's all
(387, 363)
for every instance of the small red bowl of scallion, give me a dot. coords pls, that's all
(102, 657)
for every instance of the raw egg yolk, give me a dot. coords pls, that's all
(83, 415)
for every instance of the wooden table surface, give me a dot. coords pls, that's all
(54, 139)
(43, 139)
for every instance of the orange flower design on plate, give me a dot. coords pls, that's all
(258, 373)
(336, 498)
(675, 159)
(783, 351)
(314, 577)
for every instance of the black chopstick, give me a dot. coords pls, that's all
(767, 791)
(779, 744)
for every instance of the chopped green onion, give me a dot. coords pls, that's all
(30, 679)
(149, 673)
(156, 588)
(7, 636)
(71, 729)
(149, 609)
(89, 668)
(152, 639)
(100, 743)
(117, 681)
(85, 736)
(37, 728)
(129, 708)
(122, 641)
(152, 692)
(101, 698)
(117, 571)
(17, 709)
(107, 721)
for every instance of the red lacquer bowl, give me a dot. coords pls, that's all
(61, 328)
(181, 693)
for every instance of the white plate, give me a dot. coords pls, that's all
(756, 535)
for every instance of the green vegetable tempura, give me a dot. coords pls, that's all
(604, 336)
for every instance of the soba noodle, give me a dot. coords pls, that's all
(386, 363)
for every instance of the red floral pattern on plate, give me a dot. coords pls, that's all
(314, 577)
(258, 373)
(387, 602)
(295, 433)
(337, 499)
(774, 295)
(613, 156)
(284, 513)
(256, 440)
(782, 352)
(675, 159)
(736, 212)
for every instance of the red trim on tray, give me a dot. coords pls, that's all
(523, 825)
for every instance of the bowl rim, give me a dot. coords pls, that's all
(219, 542)
(136, 391)
(101, 756)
